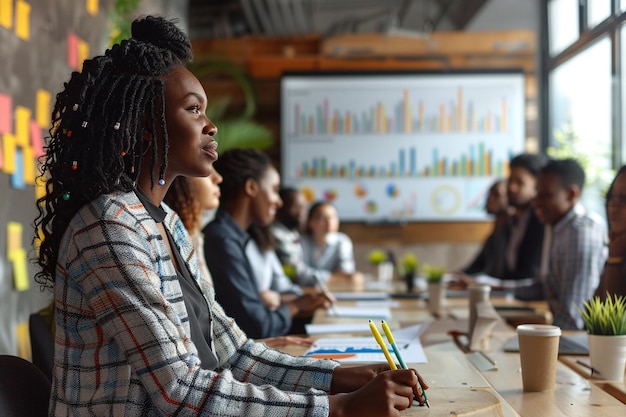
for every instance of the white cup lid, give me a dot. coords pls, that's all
(538, 330)
(479, 287)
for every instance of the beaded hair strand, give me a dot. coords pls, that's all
(99, 122)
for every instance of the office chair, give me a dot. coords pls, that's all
(42, 344)
(24, 389)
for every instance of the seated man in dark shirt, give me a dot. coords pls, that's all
(518, 255)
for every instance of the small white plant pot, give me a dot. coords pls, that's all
(607, 355)
(436, 296)
(384, 271)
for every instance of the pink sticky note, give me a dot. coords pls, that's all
(36, 139)
(5, 114)
(72, 51)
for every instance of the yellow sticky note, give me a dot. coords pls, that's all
(14, 236)
(6, 13)
(22, 19)
(83, 52)
(8, 147)
(92, 7)
(23, 340)
(22, 126)
(43, 109)
(30, 167)
(40, 187)
(19, 262)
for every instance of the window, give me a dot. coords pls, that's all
(563, 24)
(597, 12)
(581, 110)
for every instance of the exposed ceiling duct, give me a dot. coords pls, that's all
(226, 18)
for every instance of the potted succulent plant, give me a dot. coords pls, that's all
(383, 267)
(605, 322)
(436, 289)
(408, 269)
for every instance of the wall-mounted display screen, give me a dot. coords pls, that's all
(419, 146)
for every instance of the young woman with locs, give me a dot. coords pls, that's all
(129, 301)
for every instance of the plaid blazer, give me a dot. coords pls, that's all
(122, 345)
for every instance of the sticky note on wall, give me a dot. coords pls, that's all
(17, 178)
(6, 13)
(43, 109)
(19, 263)
(36, 139)
(22, 20)
(5, 113)
(30, 168)
(14, 236)
(92, 7)
(22, 125)
(40, 187)
(83, 52)
(23, 340)
(8, 149)
(72, 51)
(17, 256)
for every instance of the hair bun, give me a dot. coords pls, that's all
(164, 34)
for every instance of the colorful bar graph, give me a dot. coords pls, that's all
(477, 161)
(402, 117)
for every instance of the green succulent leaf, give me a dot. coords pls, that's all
(377, 256)
(606, 317)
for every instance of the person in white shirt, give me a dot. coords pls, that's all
(325, 248)
(273, 284)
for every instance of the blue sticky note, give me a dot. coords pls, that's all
(17, 178)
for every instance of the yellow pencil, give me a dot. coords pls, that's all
(396, 350)
(383, 346)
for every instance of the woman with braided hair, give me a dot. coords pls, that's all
(249, 197)
(129, 301)
(189, 197)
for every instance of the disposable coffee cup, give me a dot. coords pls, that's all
(539, 350)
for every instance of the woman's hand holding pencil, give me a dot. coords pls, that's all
(384, 396)
(420, 395)
(374, 390)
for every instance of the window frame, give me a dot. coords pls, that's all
(587, 37)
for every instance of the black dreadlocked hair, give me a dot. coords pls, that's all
(98, 125)
(236, 166)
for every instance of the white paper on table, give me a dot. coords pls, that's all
(358, 312)
(378, 303)
(365, 349)
(312, 329)
(366, 295)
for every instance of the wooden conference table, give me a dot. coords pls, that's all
(457, 387)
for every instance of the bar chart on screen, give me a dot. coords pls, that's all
(401, 146)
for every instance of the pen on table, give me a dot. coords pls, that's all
(491, 361)
(593, 371)
(383, 346)
(396, 350)
(327, 294)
